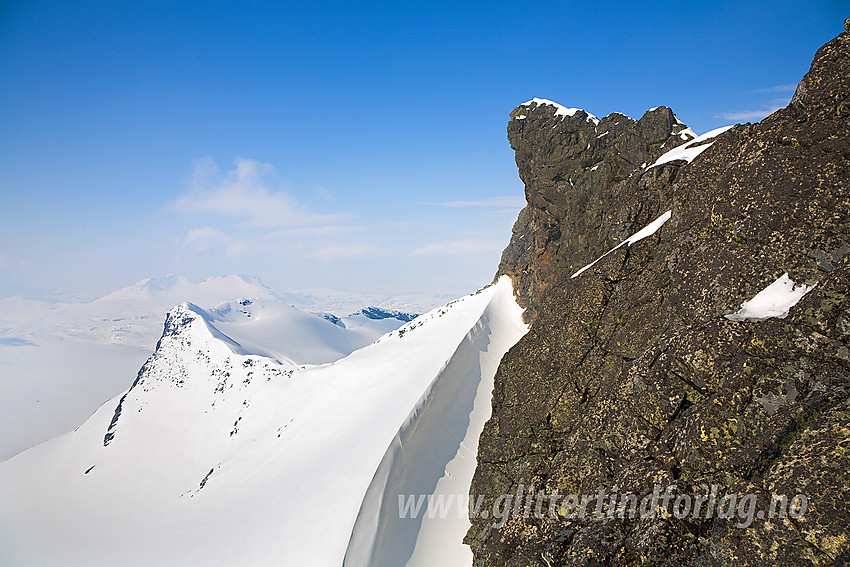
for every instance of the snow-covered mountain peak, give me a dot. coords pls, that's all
(215, 445)
(195, 326)
(61, 361)
(174, 289)
(284, 333)
(161, 284)
(194, 356)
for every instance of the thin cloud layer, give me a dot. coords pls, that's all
(747, 115)
(458, 247)
(777, 89)
(205, 234)
(208, 240)
(512, 201)
(345, 252)
(245, 212)
(245, 194)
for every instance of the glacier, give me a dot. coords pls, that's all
(226, 451)
(61, 360)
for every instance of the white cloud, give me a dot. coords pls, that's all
(237, 248)
(208, 240)
(309, 231)
(516, 202)
(244, 194)
(746, 115)
(324, 194)
(345, 251)
(458, 247)
(777, 89)
(205, 234)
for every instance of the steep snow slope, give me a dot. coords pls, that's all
(434, 454)
(220, 456)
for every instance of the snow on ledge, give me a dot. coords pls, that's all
(692, 149)
(776, 300)
(560, 110)
(688, 134)
(648, 230)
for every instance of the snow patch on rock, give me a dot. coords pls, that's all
(645, 232)
(776, 300)
(560, 110)
(689, 151)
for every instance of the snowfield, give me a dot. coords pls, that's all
(228, 450)
(60, 361)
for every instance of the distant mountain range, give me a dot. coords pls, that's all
(254, 421)
(61, 361)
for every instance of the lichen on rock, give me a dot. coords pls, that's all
(631, 376)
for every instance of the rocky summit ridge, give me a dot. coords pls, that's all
(632, 377)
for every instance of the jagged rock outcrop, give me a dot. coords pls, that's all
(579, 174)
(631, 378)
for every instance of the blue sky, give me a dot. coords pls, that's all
(358, 146)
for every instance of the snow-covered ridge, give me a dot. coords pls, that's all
(434, 452)
(175, 289)
(223, 456)
(560, 110)
(60, 361)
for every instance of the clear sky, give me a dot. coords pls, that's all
(358, 145)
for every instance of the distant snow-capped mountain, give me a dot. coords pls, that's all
(173, 289)
(232, 448)
(60, 361)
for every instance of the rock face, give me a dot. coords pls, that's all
(580, 176)
(632, 379)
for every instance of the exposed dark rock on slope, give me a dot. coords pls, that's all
(580, 184)
(631, 375)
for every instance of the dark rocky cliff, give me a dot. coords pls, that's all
(580, 178)
(631, 378)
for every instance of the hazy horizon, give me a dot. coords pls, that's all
(330, 145)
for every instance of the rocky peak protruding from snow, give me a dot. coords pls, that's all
(561, 111)
(180, 317)
(333, 319)
(378, 313)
